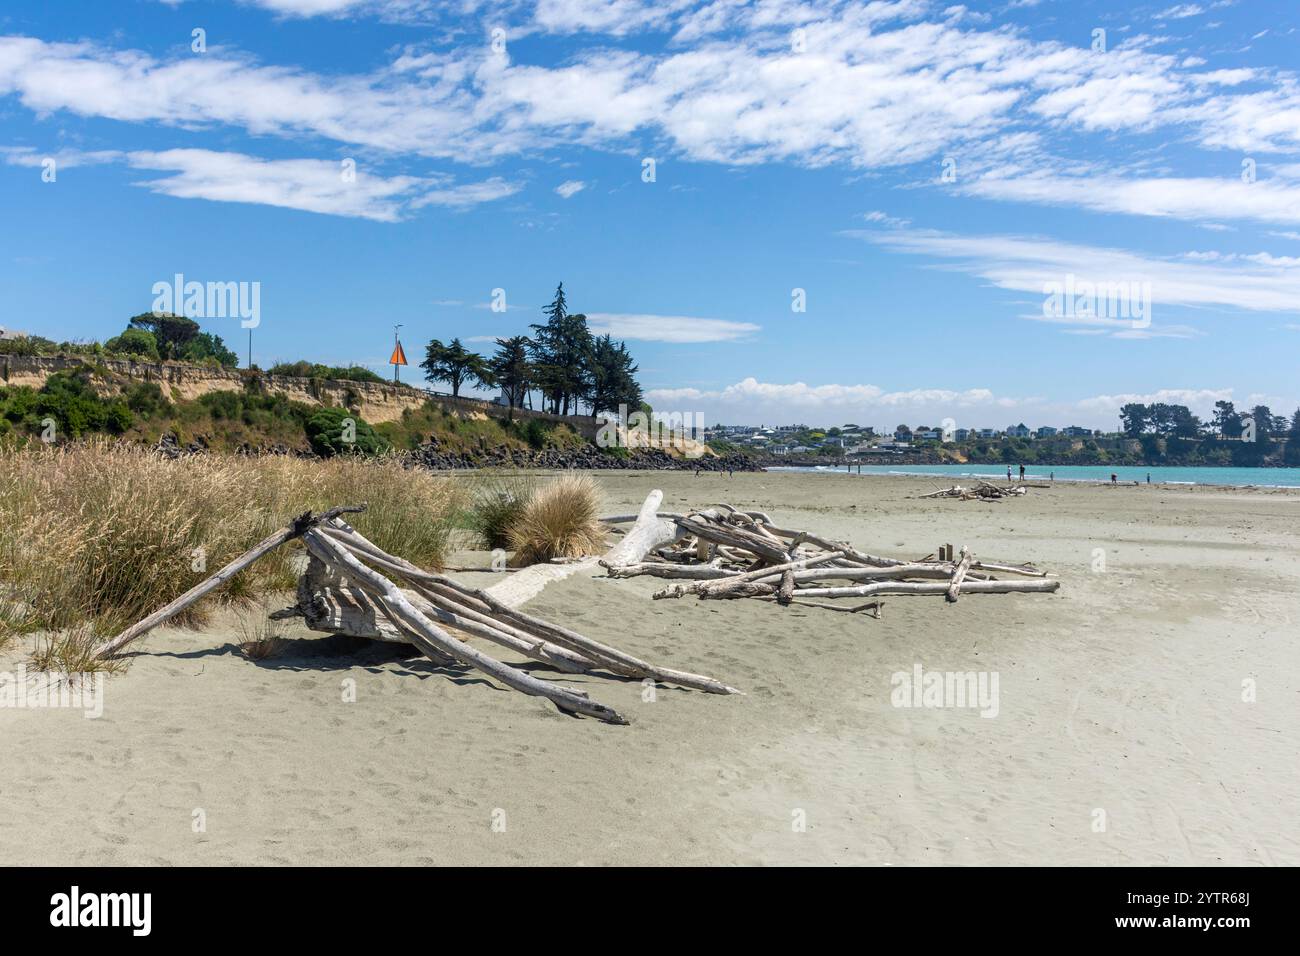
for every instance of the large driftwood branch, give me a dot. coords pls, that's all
(428, 635)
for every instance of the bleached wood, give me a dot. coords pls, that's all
(429, 635)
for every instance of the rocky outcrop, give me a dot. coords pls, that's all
(588, 457)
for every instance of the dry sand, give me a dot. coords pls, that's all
(1121, 693)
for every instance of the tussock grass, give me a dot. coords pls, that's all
(102, 534)
(561, 519)
(71, 651)
(498, 504)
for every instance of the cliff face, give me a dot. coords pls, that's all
(374, 402)
(378, 403)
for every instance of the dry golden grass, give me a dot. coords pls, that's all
(561, 519)
(104, 533)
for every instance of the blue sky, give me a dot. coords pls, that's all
(925, 172)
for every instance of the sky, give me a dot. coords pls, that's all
(818, 212)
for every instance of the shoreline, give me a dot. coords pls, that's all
(899, 472)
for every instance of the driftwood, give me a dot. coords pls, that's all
(350, 587)
(982, 492)
(751, 557)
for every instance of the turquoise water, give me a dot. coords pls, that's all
(1260, 477)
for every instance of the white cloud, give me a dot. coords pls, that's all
(311, 185)
(876, 86)
(1180, 12)
(1199, 400)
(570, 188)
(1028, 264)
(751, 400)
(1264, 200)
(668, 328)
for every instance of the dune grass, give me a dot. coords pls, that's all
(99, 535)
(560, 519)
(498, 502)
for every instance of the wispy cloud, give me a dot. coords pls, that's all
(668, 328)
(1030, 264)
(336, 188)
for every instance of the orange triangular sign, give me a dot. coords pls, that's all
(398, 357)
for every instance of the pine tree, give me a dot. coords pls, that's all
(455, 365)
(512, 371)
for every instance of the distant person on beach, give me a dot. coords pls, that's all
(1022, 472)
(1008, 472)
(1114, 478)
(1053, 476)
(1148, 477)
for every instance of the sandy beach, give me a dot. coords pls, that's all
(1121, 693)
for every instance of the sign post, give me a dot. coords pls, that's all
(398, 358)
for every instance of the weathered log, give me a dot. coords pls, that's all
(908, 587)
(608, 657)
(429, 635)
(660, 569)
(958, 574)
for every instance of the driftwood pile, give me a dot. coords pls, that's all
(349, 588)
(981, 492)
(728, 553)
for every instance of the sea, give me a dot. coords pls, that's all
(1171, 475)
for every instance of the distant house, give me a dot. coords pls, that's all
(1019, 431)
(1047, 431)
(961, 434)
(799, 449)
(928, 434)
(1075, 431)
(989, 433)
(10, 334)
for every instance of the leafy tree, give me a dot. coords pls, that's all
(1134, 418)
(134, 342)
(1264, 423)
(1226, 421)
(512, 371)
(172, 332)
(1292, 454)
(206, 346)
(561, 354)
(612, 377)
(455, 365)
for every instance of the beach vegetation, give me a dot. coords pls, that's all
(101, 534)
(560, 519)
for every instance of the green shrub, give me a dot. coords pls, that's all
(326, 432)
(137, 342)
